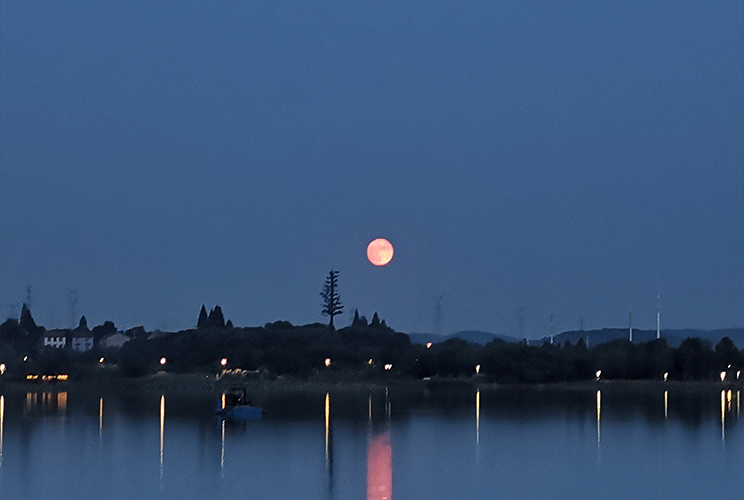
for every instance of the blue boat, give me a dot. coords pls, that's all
(235, 406)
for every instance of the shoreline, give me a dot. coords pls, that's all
(208, 384)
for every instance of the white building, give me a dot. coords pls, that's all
(56, 338)
(82, 341)
(115, 340)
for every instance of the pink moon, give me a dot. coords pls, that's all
(380, 252)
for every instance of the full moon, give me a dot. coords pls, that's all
(380, 252)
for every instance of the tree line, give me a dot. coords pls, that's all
(365, 349)
(369, 350)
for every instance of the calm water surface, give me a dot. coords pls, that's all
(397, 443)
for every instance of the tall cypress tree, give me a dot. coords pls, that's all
(27, 322)
(331, 300)
(216, 319)
(203, 321)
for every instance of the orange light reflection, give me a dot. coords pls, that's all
(380, 467)
(599, 416)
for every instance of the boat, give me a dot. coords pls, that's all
(235, 406)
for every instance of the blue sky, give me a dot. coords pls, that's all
(569, 159)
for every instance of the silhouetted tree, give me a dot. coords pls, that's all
(83, 325)
(27, 322)
(358, 321)
(10, 331)
(692, 359)
(215, 318)
(726, 354)
(203, 320)
(375, 320)
(100, 331)
(331, 300)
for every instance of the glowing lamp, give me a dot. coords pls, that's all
(723, 376)
(328, 361)
(388, 367)
(666, 375)
(598, 374)
(162, 361)
(428, 345)
(477, 369)
(2, 368)
(223, 361)
(100, 360)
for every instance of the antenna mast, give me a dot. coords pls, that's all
(658, 315)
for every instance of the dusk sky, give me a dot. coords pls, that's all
(571, 158)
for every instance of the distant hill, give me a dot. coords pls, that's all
(674, 337)
(472, 336)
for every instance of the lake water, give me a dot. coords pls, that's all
(402, 443)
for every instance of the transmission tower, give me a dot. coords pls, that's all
(438, 316)
(73, 307)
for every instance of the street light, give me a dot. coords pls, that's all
(723, 376)
(2, 368)
(666, 375)
(223, 362)
(388, 367)
(328, 362)
(598, 374)
(162, 361)
(477, 369)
